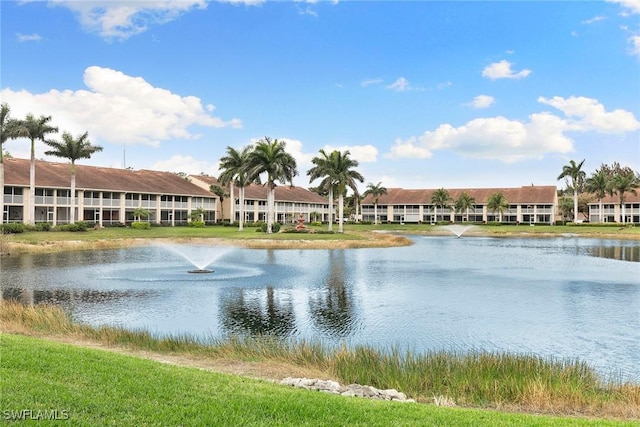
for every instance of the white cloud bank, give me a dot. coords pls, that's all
(119, 109)
(116, 19)
(510, 141)
(502, 70)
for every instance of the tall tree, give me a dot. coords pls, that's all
(375, 191)
(222, 194)
(599, 183)
(323, 169)
(73, 149)
(271, 158)
(624, 180)
(464, 203)
(497, 203)
(7, 131)
(234, 172)
(34, 129)
(576, 175)
(345, 177)
(440, 198)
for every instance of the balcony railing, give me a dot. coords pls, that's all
(13, 199)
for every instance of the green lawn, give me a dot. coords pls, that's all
(93, 387)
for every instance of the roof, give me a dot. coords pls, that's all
(525, 194)
(58, 175)
(284, 193)
(615, 199)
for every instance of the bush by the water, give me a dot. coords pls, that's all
(196, 224)
(76, 226)
(275, 227)
(139, 225)
(12, 228)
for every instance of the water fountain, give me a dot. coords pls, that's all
(458, 229)
(199, 257)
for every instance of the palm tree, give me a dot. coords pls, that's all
(375, 191)
(440, 198)
(624, 180)
(497, 203)
(73, 149)
(599, 185)
(270, 158)
(345, 177)
(233, 167)
(323, 169)
(464, 203)
(577, 175)
(7, 131)
(34, 129)
(221, 193)
(139, 213)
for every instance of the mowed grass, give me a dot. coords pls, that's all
(96, 387)
(523, 383)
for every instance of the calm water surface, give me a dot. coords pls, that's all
(561, 297)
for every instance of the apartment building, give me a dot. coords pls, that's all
(104, 195)
(527, 205)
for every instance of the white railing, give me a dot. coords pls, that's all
(13, 199)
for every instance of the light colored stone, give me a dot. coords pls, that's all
(352, 390)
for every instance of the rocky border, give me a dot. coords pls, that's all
(353, 390)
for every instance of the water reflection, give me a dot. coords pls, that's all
(257, 312)
(628, 252)
(333, 308)
(65, 297)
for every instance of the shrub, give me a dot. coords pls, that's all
(12, 228)
(275, 227)
(316, 223)
(139, 225)
(196, 224)
(78, 226)
(43, 226)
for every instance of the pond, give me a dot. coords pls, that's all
(562, 297)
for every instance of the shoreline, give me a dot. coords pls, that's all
(371, 239)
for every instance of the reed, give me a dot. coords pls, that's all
(477, 379)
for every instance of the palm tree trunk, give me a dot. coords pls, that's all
(241, 195)
(600, 210)
(32, 185)
(270, 206)
(340, 212)
(331, 209)
(375, 213)
(232, 205)
(575, 206)
(72, 210)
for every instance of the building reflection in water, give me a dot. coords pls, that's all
(71, 297)
(257, 312)
(619, 252)
(332, 308)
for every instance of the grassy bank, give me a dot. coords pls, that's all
(354, 236)
(490, 381)
(94, 387)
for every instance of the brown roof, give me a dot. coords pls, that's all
(284, 193)
(58, 175)
(525, 194)
(615, 199)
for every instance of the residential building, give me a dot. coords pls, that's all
(290, 202)
(612, 210)
(528, 204)
(103, 195)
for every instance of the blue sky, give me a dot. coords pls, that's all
(424, 94)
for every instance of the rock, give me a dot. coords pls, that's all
(353, 390)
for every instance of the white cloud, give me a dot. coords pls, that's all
(186, 164)
(369, 82)
(481, 101)
(362, 153)
(590, 114)
(118, 108)
(510, 141)
(594, 20)
(634, 41)
(502, 70)
(29, 37)
(631, 6)
(121, 19)
(400, 85)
